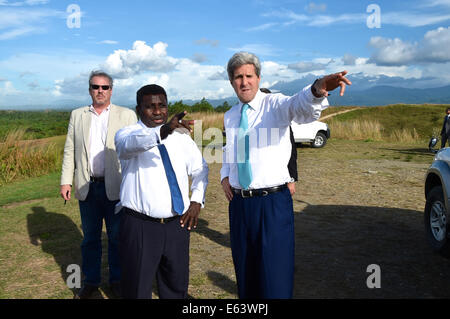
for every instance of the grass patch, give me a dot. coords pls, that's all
(20, 159)
(46, 186)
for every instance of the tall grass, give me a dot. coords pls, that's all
(209, 120)
(356, 130)
(371, 130)
(19, 159)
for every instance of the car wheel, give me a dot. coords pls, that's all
(319, 141)
(436, 222)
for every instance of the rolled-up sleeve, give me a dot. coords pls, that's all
(132, 140)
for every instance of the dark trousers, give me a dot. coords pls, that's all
(148, 248)
(93, 210)
(444, 138)
(262, 245)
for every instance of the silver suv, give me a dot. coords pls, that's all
(437, 191)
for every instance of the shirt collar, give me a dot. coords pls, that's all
(255, 103)
(92, 109)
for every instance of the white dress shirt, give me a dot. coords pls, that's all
(98, 132)
(269, 118)
(144, 187)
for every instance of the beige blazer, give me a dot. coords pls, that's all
(76, 151)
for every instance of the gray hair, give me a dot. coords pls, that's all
(102, 74)
(241, 58)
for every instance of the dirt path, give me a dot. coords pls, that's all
(337, 113)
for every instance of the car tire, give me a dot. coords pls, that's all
(436, 228)
(319, 141)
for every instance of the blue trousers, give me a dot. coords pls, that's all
(262, 245)
(93, 210)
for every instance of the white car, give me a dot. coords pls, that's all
(437, 195)
(317, 133)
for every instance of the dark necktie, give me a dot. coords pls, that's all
(177, 199)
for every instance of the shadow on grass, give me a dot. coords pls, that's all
(223, 282)
(214, 235)
(336, 244)
(57, 235)
(412, 151)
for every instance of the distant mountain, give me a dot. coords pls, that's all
(374, 91)
(365, 91)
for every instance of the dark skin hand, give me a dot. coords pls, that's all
(176, 122)
(190, 218)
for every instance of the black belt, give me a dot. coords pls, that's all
(258, 192)
(94, 179)
(148, 218)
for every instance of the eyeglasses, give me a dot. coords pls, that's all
(104, 87)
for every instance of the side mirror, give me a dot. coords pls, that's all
(432, 144)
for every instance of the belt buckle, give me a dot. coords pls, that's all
(264, 193)
(244, 196)
(162, 221)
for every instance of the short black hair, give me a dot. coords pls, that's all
(151, 89)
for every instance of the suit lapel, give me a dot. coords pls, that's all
(111, 126)
(86, 123)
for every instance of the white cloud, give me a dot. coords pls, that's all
(141, 58)
(349, 59)
(108, 42)
(21, 22)
(262, 27)
(199, 58)
(22, 3)
(303, 67)
(8, 89)
(204, 41)
(401, 18)
(433, 48)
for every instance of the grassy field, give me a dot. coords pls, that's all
(358, 202)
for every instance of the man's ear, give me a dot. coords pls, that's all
(137, 112)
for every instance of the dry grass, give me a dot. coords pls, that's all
(26, 159)
(371, 131)
(356, 130)
(208, 120)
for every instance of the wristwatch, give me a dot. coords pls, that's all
(314, 90)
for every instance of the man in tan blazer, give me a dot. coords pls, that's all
(90, 161)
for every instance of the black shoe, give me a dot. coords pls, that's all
(116, 289)
(86, 292)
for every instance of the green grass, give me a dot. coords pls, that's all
(46, 186)
(426, 119)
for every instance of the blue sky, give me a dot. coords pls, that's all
(47, 49)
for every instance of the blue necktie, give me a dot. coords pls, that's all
(244, 168)
(177, 199)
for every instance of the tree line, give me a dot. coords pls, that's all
(202, 106)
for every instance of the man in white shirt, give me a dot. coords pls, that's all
(255, 172)
(157, 160)
(90, 160)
